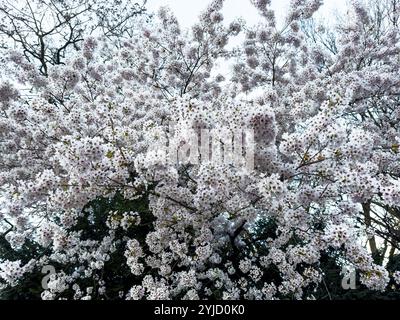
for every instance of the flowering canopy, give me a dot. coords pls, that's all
(85, 189)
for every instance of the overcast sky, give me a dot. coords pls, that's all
(187, 11)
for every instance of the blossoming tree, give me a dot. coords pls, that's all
(86, 192)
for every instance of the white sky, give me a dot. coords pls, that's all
(187, 11)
